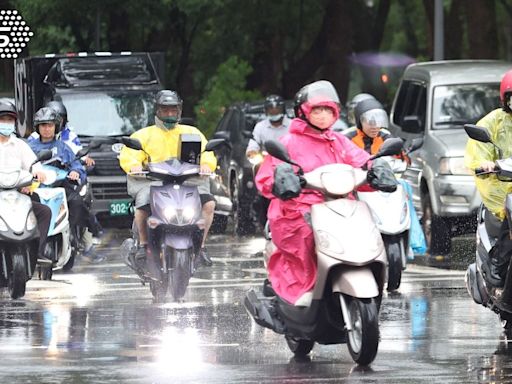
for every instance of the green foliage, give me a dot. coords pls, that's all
(225, 87)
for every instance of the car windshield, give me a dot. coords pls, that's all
(456, 105)
(109, 114)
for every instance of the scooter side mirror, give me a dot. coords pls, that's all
(414, 145)
(482, 135)
(132, 143)
(43, 155)
(477, 133)
(216, 143)
(392, 146)
(279, 151)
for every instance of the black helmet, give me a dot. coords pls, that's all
(7, 108)
(47, 115)
(365, 106)
(299, 98)
(351, 105)
(168, 98)
(58, 106)
(274, 101)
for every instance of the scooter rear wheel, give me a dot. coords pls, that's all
(18, 277)
(299, 347)
(363, 339)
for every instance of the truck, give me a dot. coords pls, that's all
(106, 94)
(434, 101)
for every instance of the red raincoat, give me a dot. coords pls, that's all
(292, 267)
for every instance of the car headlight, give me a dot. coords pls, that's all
(31, 221)
(453, 166)
(3, 226)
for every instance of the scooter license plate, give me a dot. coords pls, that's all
(119, 207)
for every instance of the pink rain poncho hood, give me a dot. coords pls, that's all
(292, 267)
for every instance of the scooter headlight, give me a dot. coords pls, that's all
(31, 221)
(188, 213)
(3, 226)
(405, 213)
(256, 159)
(169, 213)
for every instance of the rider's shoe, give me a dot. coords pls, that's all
(205, 259)
(90, 256)
(492, 274)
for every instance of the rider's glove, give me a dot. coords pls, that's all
(381, 176)
(287, 184)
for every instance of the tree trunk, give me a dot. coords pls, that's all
(482, 33)
(454, 30)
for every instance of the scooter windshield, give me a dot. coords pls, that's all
(174, 167)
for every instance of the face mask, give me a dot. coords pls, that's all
(6, 129)
(169, 121)
(275, 118)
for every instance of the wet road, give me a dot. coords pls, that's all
(99, 325)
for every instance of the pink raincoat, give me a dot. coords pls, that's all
(292, 267)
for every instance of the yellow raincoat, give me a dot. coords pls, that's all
(161, 145)
(492, 191)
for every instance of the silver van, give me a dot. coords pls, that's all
(434, 101)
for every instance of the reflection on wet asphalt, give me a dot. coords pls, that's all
(98, 324)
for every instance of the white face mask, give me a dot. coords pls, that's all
(7, 129)
(275, 118)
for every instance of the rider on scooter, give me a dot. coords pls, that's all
(493, 191)
(160, 142)
(47, 124)
(311, 143)
(16, 154)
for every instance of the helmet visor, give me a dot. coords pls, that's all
(320, 92)
(375, 118)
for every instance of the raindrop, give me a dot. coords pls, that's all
(8, 11)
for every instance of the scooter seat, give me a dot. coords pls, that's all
(492, 224)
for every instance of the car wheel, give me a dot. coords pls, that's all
(436, 229)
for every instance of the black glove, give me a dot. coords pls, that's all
(287, 184)
(381, 176)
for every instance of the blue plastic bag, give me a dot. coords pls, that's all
(416, 236)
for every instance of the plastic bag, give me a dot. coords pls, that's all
(416, 236)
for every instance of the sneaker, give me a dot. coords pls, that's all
(91, 257)
(205, 259)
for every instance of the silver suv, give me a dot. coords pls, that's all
(434, 101)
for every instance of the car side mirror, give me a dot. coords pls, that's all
(412, 124)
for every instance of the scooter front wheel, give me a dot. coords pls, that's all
(18, 277)
(180, 273)
(299, 347)
(363, 338)
(394, 254)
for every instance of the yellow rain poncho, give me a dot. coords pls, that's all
(492, 190)
(161, 145)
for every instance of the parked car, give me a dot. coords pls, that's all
(234, 181)
(435, 100)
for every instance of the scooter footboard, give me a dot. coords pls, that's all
(355, 281)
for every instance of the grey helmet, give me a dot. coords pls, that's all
(7, 108)
(168, 98)
(47, 115)
(371, 110)
(59, 107)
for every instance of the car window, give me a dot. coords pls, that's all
(411, 101)
(456, 105)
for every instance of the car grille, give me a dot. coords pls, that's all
(107, 166)
(109, 191)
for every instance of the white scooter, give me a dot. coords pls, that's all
(351, 272)
(393, 218)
